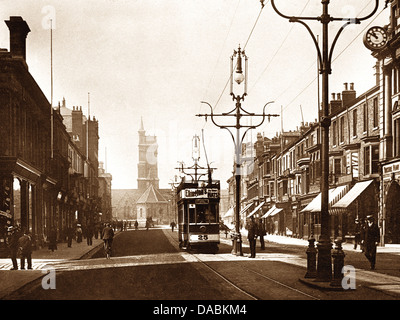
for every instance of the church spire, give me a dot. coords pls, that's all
(141, 124)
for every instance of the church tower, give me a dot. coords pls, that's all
(148, 163)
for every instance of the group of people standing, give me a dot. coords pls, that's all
(255, 229)
(20, 244)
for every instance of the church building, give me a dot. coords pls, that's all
(148, 201)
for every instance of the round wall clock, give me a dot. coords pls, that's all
(375, 38)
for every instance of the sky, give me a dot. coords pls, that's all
(156, 60)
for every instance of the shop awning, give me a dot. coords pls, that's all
(268, 213)
(246, 208)
(352, 195)
(256, 209)
(229, 213)
(313, 204)
(334, 195)
(276, 211)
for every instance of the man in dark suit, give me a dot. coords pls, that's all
(371, 240)
(252, 236)
(25, 247)
(12, 242)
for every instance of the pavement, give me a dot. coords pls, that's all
(12, 280)
(42, 260)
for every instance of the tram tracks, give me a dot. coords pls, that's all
(242, 270)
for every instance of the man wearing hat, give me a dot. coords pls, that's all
(12, 242)
(371, 240)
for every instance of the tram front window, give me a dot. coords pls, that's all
(205, 213)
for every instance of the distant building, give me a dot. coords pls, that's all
(148, 200)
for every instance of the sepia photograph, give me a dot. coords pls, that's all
(199, 158)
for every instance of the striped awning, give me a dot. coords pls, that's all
(353, 194)
(256, 209)
(335, 194)
(268, 213)
(276, 211)
(246, 208)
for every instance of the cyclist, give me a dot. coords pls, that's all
(108, 236)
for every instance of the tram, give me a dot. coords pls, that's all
(198, 215)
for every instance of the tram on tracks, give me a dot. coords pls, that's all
(198, 215)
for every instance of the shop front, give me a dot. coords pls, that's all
(389, 217)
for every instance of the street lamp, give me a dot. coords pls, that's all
(238, 112)
(324, 265)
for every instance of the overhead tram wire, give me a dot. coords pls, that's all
(339, 54)
(220, 53)
(278, 49)
(248, 39)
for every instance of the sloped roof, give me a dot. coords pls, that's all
(151, 195)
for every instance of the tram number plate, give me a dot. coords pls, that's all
(204, 237)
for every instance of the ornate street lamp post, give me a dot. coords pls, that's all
(238, 112)
(324, 265)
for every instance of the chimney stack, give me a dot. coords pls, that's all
(377, 73)
(348, 95)
(19, 29)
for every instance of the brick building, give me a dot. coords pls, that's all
(47, 178)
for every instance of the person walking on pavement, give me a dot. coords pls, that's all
(89, 235)
(371, 240)
(53, 239)
(70, 235)
(252, 237)
(12, 242)
(261, 232)
(357, 234)
(173, 225)
(136, 225)
(25, 247)
(79, 233)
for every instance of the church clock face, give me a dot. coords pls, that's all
(375, 38)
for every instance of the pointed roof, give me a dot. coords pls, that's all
(141, 124)
(151, 195)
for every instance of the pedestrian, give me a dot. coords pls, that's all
(357, 233)
(70, 236)
(136, 224)
(12, 242)
(78, 233)
(252, 237)
(25, 249)
(89, 235)
(52, 239)
(261, 232)
(371, 240)
(173, 225)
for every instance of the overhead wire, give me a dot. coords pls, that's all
(222, 47)
(278, 49)
(337, 56)
(247, 41)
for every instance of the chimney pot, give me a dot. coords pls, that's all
(352, 86)
(345, 86)
(339, 96)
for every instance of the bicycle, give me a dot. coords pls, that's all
(107, 248)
